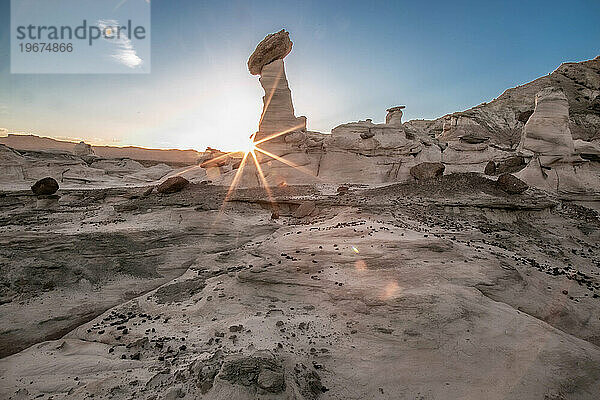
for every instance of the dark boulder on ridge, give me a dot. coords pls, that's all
(172, 185)
(45, 186)
(427, 170)
(511, 184)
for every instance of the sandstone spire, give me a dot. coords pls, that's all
(278, 110)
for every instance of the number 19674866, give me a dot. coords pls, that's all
(48, 47)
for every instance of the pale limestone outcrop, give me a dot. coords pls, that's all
(460, 156)
(547, 132)
(370, 153)
(503, 118)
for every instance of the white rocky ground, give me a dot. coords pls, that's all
(446, 290)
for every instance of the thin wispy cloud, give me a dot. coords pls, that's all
(125, 52)
(123, 2)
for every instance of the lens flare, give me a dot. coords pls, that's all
(360, 265)
(390, 290)
(250, 151)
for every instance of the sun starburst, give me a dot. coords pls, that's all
(251, 150)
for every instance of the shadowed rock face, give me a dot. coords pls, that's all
(273, 47)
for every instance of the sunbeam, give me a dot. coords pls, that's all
(289, 163)
(266, 106)
(273, 136)
(263, 179)
(251, 149)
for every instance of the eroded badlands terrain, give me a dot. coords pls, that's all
(444, 289)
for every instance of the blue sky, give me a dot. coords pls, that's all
(350, 61)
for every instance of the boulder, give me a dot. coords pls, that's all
(505, 166)
(305, 209)
(510, 165)
(273, 47)
(490, 168)
(45, 186)
(511, 184)
(427, 170)
(172, 185)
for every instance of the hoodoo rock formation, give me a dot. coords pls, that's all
(278, 110)
(503, 118)
(83, 149)
(394, 115)
(547, 132)
(547, 143)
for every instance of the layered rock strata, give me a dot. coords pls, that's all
(278, 110)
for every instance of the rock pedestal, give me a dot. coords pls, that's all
(278, 110)
(394, 116)
(547, 132)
